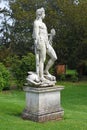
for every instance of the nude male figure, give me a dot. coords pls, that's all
(42, 45)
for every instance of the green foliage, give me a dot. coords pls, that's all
(70, 75)
(4, 52)
(5, 27)
(28, 62)
(71, 31)
(69, 20)
(4, 77)
(70, 72)
(62, 77)
(20, 67)
(74, 78)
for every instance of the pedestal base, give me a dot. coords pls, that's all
(43, 104)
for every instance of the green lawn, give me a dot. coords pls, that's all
(74, 102)
(71, 72)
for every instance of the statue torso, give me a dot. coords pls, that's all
(43, 34)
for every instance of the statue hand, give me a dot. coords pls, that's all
(53, 32)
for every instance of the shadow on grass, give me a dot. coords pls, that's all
(15, 114)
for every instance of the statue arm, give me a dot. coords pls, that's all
(36, 33)
(51, 35)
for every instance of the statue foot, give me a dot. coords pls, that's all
(43, 79)
(49, 76)
(47, 73)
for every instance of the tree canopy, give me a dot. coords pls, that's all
(68, 19)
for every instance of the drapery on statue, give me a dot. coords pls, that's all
(43, 45)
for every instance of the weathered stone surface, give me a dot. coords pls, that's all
(43, 46)
(43, 104)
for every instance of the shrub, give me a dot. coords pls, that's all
(21, 67)
(4, 77)
(74, 78)
(71, 75)
(10, 60)
(61, 77)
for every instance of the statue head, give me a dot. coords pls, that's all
(40, 13)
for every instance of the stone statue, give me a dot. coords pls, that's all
(43, 45)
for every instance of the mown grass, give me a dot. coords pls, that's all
(74, 102)
(71, 72)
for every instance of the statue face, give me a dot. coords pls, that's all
(43, 15)
(40, 13)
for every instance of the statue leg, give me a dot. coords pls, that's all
(37, 63)
(48, 66)
(53, 56)
(41, 67)
(42, 58)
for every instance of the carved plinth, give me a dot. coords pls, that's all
(43, 104)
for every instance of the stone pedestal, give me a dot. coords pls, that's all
(43, 104)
